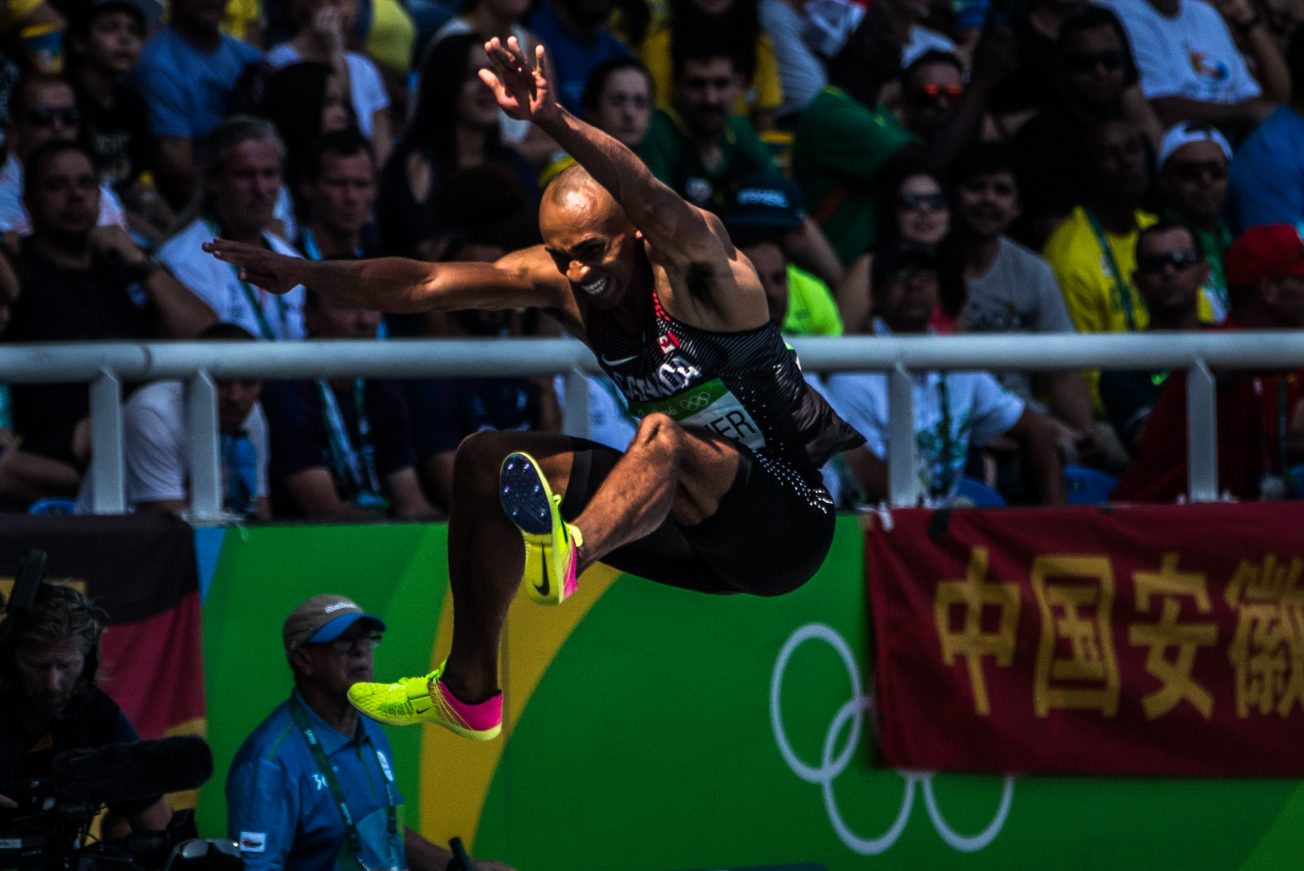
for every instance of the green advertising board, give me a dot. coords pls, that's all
(653, 728)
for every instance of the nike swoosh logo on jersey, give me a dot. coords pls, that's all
(622, 360)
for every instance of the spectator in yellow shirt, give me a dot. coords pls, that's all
(738, 19)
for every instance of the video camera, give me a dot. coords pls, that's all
(49, 829)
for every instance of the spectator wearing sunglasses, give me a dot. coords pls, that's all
(1260, 414)
(952, 410)
(1170, 270)
(915, 210)
(1094, 80)
(42, 109)
(1191, 63)
(1267, 182)
(313, 785)
(931, 90)
(1194, 162)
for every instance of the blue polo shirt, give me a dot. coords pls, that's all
(280, 809)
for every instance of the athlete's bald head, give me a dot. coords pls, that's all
(590, 239)
(574, 199)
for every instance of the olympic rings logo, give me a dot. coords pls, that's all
(696, 402)
(832, 764)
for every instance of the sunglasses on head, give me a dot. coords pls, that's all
(46, 115)
(369, 641)
(1087, 63)
(1193, 170)
(1183, 258)
(936, 202)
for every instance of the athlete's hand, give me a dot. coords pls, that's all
(273, 272)
(521, 87)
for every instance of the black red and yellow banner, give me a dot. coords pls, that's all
(139, 570)
(1154, 640)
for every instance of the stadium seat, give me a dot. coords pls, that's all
(978, 494)
(52, 506)
(1084, 486)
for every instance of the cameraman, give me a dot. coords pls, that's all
(49, 702)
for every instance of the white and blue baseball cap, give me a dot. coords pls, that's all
(322, 619)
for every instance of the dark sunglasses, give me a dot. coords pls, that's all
(909, 202)
(1087, 63)
(346, 645)
(1183, 258)
(1194, 170)
(46, 116)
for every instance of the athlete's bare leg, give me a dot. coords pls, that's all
(666, 471)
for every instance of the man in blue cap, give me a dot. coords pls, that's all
(313, 786)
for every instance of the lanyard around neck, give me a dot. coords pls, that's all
(251, 297)
(942, 487)
(1121, 292)
(354, 465)
(311, 249)
(327, 772)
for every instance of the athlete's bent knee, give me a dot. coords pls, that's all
(475, 465)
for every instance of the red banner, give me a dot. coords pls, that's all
(1159, 640)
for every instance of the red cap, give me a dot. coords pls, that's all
(1268, 251)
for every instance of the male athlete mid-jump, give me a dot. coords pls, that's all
(720, 489)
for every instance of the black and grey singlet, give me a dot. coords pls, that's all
(746, 386)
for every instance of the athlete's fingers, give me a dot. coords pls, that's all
(540, 68)
(487, 76)
(502, 53)
(498, 55)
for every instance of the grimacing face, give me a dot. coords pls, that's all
(592, 243)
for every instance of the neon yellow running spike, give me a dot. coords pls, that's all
(425, 699)
(551, 544)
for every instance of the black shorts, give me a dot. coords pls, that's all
(769, 536)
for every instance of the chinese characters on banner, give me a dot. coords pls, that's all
(1165, 640)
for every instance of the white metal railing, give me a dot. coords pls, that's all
(105, 366)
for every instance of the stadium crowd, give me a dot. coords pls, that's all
(890, 167)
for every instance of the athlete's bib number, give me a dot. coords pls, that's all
(710, 406)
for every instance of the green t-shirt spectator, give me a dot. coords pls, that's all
(839, 148)
(812, 311)
(673, 159)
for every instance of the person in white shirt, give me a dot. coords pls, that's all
(952, 410)
(242, 180)
(1191, 65)
(156, 451)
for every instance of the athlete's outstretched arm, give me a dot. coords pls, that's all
(665, 219)
(393, 284)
